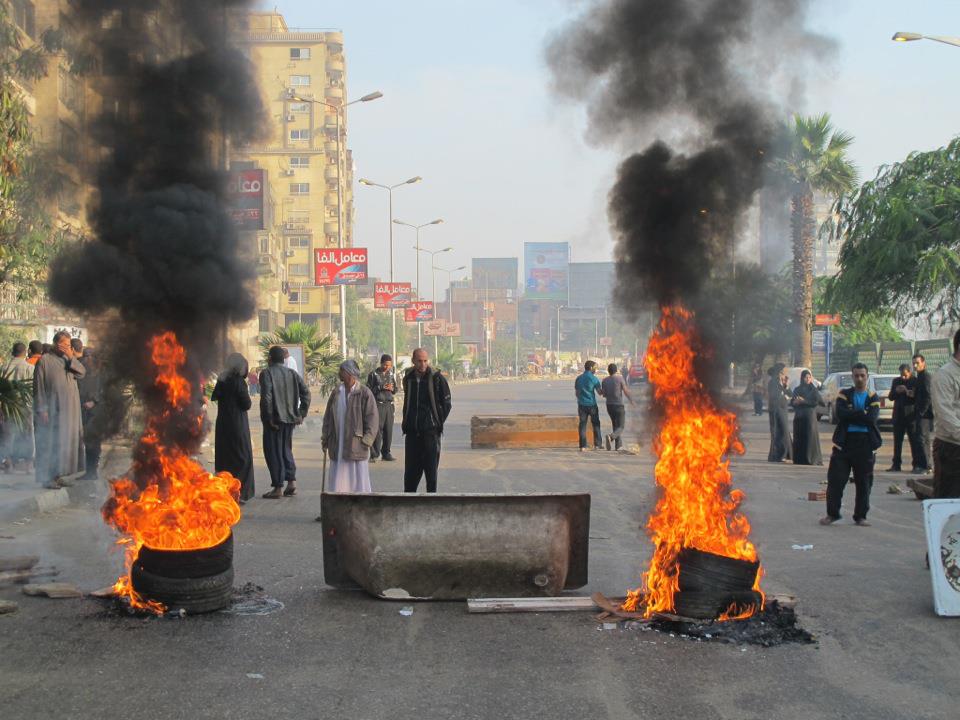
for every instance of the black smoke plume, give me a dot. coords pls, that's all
(707, 80)
(164, 255)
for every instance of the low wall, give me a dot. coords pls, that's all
(523, 431)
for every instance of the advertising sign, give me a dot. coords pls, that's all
(496, 273)
(419, 311)
(606, 341)
(546, 271)
(245, 199)
(453, 329)
(75, 332)
(826, 319)
(336, 266)
(392, 295)
(435, 328)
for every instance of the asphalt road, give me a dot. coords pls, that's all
(882, 653)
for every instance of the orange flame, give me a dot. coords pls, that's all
(174, 503)
(697, 507)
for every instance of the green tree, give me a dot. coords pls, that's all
(28, 236)
(900, 235)
(814, 160)
(451, 363)
(855, 328)
(321, 359)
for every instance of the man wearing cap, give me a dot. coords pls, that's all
(350, 425)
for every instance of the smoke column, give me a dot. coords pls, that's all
(165, 255)
(709, 80)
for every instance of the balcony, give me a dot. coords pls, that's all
(335, 63)
(330, 173)
(334, 41)
(330, 146)
(334, 94)
(330, 227)
(330, 199)
(267, 264)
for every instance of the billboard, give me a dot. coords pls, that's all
(453, 329)
(545, 268)
(340, 266)
(245, 199)
(419, 311)
(392, 295)
(435, 328)
(495, 273)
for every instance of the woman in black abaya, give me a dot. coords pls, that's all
(806, 431)
(778, 398)
(233, 451)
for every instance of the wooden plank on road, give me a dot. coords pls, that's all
(539, 604)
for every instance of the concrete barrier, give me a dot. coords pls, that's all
(401, 546)
(524, 431)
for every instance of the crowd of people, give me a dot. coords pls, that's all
(926, 406)
(58, 437)
(357, 426)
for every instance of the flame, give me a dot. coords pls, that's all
(168, 501)
(697, 507)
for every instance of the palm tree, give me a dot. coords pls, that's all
(815, 161)
(450, 362)
(321, 359)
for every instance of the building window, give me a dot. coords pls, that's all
(299, 188)
(298, 217)
(299, 53)
(299, 107)
(300, 297)
(299, 81)
(25, 17)
(265, 246)
(298, 241)
(299, 269)
(302, 134)
(300, 161)
(69, 144)
(67, 197)
(70, 91)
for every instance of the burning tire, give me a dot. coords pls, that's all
(706, 572)
(188, 563)
(710, 605)
(193, 595)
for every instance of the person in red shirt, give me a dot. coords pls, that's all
(34, 351)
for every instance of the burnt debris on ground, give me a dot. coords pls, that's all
(774, 625)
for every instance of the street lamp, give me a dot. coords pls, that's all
(433, 284)
(559, 308)
(911, 36)
(449, 273)
(339, 110)
(393, 311)
(438, 221)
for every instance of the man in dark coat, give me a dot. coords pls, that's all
(284, 402)
(855, 443)
(901, 392)
(426, 405)
(778, 399)
(91, 399)
(923, 417)
(383, 384)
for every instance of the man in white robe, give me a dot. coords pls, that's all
(350, 425)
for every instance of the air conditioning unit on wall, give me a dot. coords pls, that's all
(287, 172)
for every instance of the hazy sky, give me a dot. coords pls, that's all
(468, 105)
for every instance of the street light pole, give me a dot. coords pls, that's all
(449, 272)
(339, 111)
(393, 311)
(438, 221)
(911, 36)
(433, 290)
(559, 308)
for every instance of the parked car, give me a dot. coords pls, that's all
(636, 374)
(879, 384)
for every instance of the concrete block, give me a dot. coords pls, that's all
(524, 431)
(51, 500)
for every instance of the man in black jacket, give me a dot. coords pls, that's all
(855, 443)
(923, 417)
(383, 384)
(901, 392)
(426, 405)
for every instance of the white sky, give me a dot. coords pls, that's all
(467, 105)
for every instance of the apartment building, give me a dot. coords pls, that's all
(302, 80)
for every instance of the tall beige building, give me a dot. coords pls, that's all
(302, 80)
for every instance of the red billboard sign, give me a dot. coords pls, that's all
(392, 295)
(826, 319)
(245, 196)
(420, 311)
(336, 266)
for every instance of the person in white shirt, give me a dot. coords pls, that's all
(290, 362)
(945, 394)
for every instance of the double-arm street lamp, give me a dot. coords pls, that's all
(433, 286)
(449, 272)
(438, 221)
(339, 110)
(390, 189)
(911, 36)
